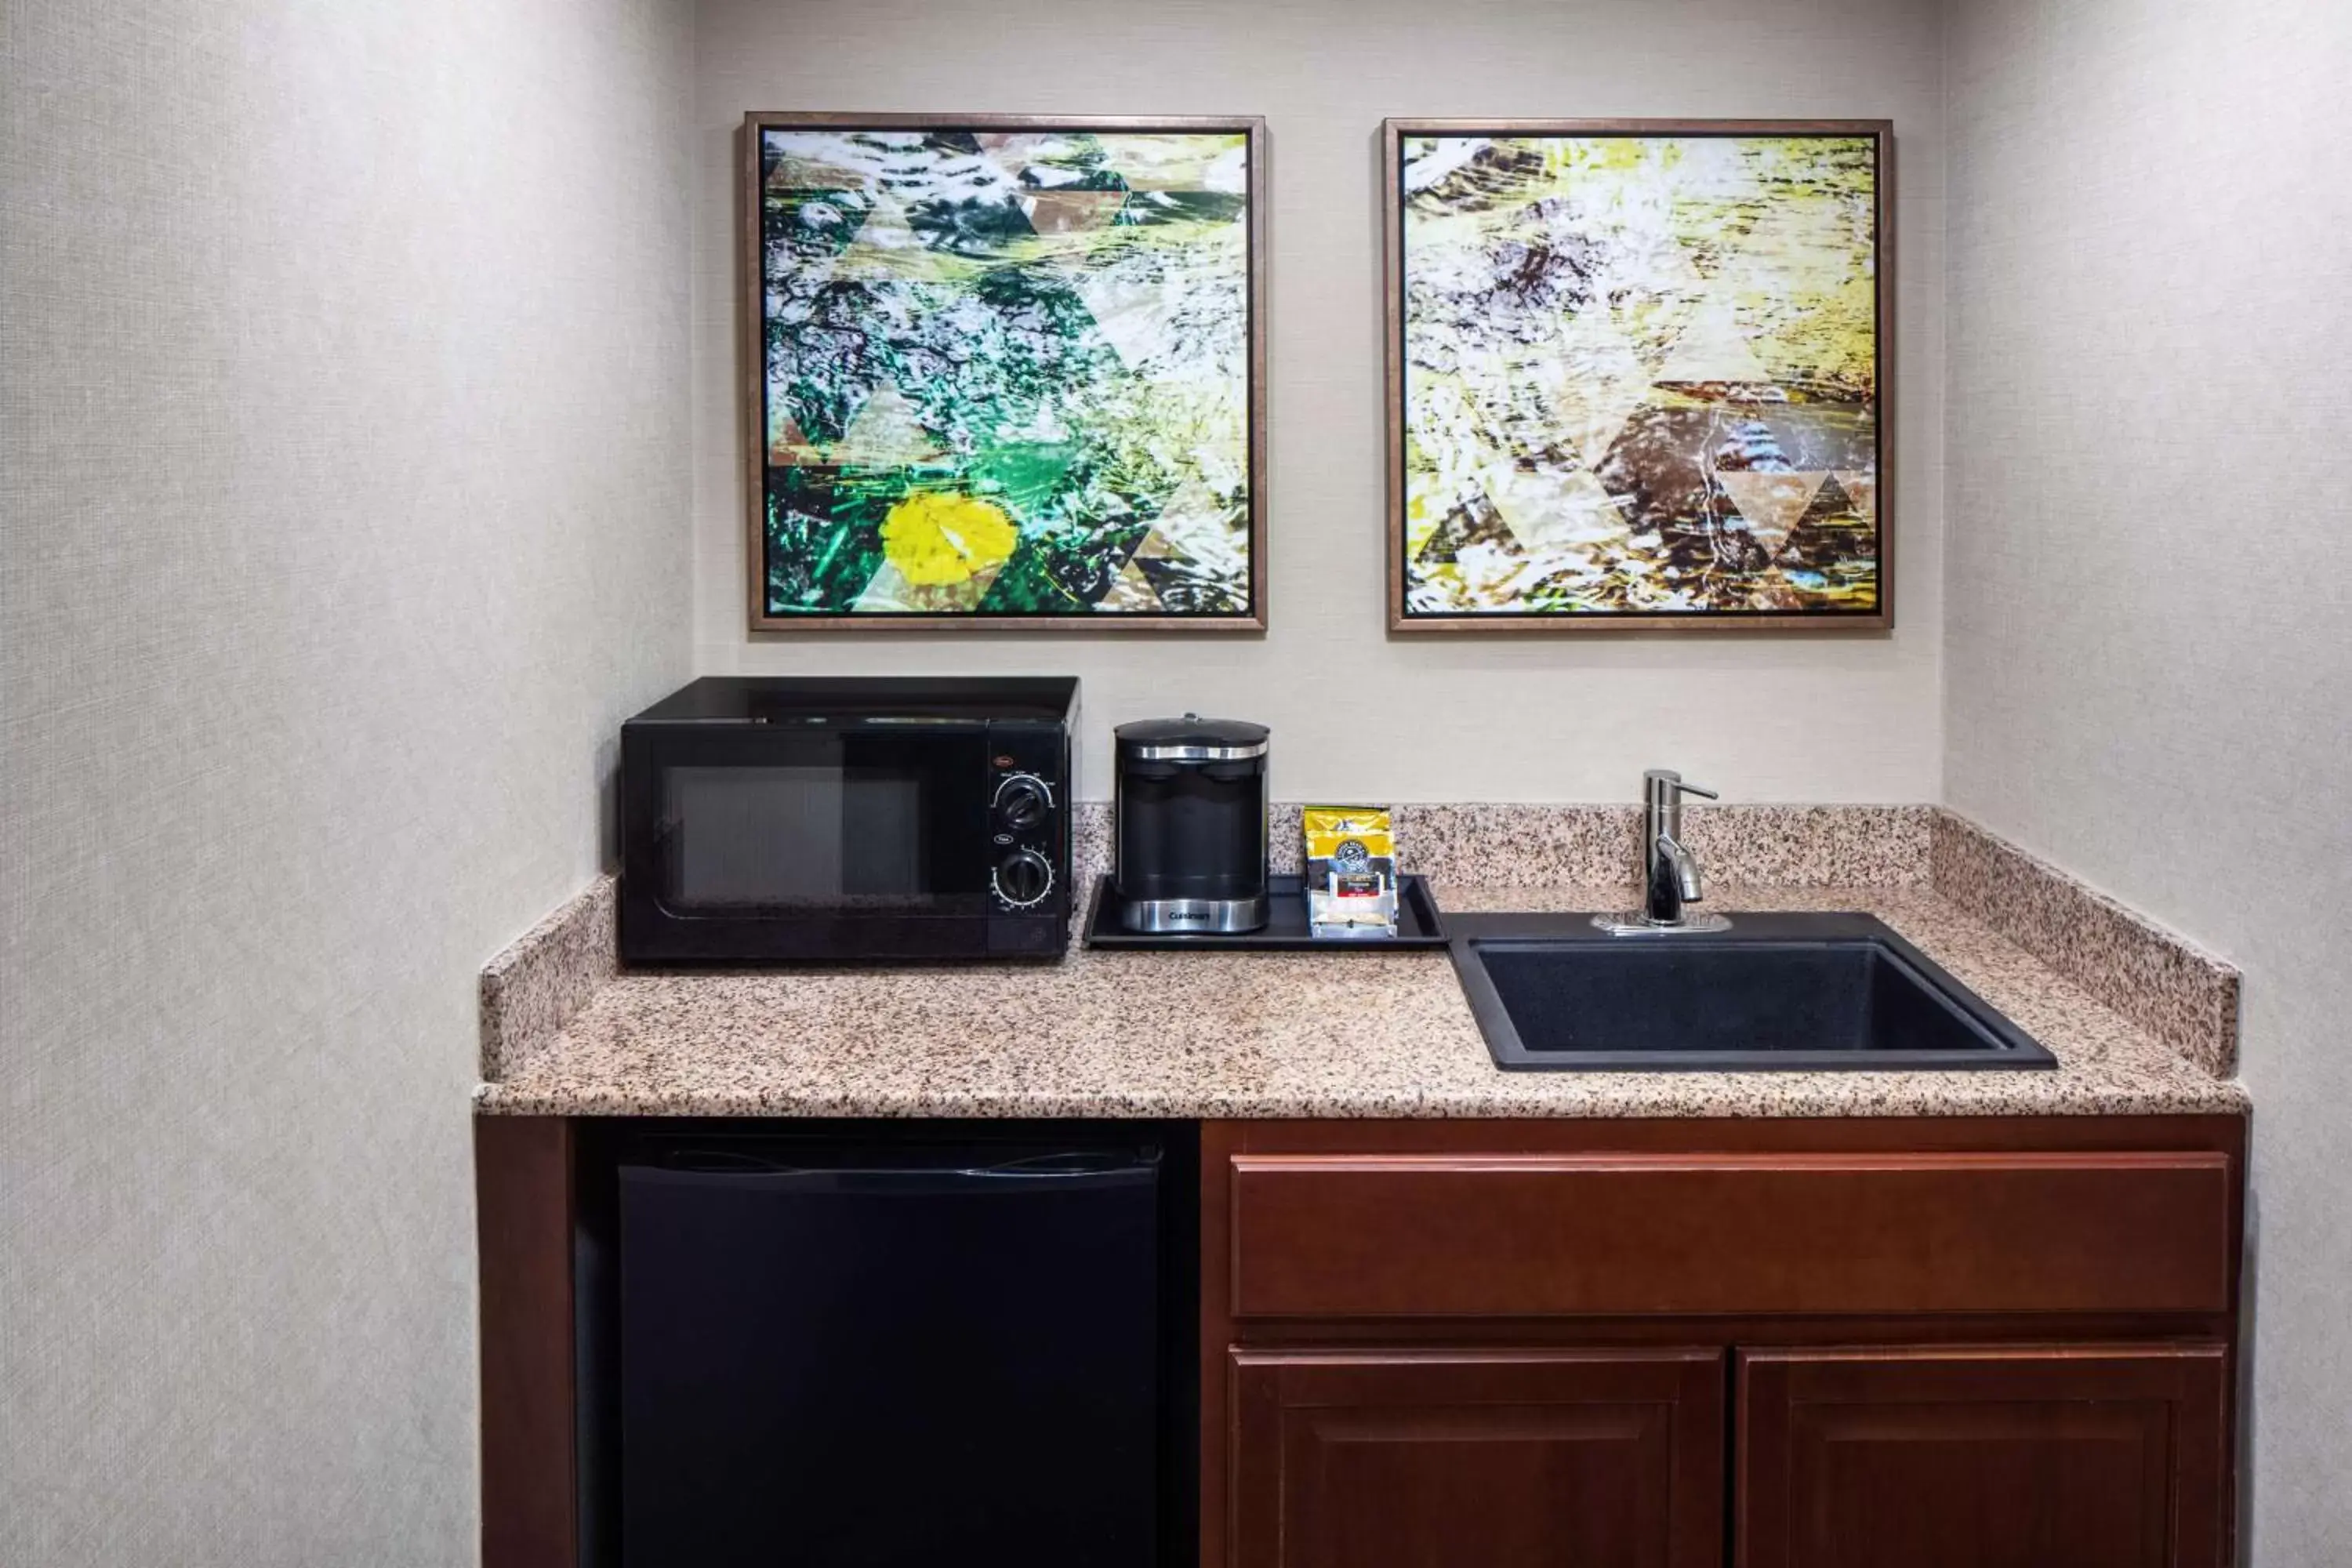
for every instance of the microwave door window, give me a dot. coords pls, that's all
(868, 836)
(883, 838)
(746, 836)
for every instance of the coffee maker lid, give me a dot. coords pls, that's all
(1192, 739)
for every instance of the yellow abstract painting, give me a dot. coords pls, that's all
(1639, 374)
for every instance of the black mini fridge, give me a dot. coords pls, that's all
(919, 1352)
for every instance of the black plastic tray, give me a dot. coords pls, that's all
(1286, 928)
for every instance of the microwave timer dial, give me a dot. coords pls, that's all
(1023, 801)
(1024, 878)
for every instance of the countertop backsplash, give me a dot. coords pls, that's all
(1938, 867)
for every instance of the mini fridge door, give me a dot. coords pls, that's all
(912, 1354)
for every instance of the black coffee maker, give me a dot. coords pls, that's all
(1190, 854)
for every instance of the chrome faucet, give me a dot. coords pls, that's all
(1670, 875)
(1670, 872)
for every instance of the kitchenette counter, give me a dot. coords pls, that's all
(1359, 1174)
(1348, 1035)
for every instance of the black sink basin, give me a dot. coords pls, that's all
(1776, 991)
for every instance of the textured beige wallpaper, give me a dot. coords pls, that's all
(2150, 570)
(346, 481)
(345, 501)
(1355, 712)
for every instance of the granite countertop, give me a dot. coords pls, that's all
(1343, 1034)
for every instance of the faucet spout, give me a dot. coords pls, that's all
(1675, 881)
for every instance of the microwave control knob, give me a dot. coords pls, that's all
(1022, 877)
(1023, 801)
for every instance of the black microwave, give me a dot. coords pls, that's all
(821, 819)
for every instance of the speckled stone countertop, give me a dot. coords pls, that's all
(1278, 1034)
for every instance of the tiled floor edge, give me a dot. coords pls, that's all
(535, 984)
(2160, 980)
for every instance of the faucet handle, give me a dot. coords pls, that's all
(1662, 784)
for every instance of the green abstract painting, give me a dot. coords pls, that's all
(1005, 373)
(1638, 375)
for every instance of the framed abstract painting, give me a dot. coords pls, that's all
(1636, 375)
(1005, 371)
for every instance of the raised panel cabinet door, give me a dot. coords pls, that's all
(2008, 1457)
(1476, 1460)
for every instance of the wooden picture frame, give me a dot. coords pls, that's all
(1785, 575)
(1172, 575)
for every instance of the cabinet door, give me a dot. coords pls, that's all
(2077, 1457)
(1500, 1458)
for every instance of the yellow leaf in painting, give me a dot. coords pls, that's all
(932, 537)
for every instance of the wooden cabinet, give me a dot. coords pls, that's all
(2070, 1456)
(1936, 1343)
(1507, 1459)
(1856, 1342)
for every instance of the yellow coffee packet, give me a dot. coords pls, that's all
(1351, 877)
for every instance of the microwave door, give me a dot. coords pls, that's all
(805, 827)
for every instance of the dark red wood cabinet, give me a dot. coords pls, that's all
(1861, 1343)
(1504, 1458)
(2085, 1456)
(1920, 1344)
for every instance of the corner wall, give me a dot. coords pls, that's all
(1354, 712)
(345, 501)
(2148, 673)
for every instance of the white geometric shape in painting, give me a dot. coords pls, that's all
(1713, 170)
(885, 246)
(1772, 503)
(1712, 348)
(1137, 308)
(1194, 524)
(1429, 159)
(1862, 490)
(787, 445)
(1011, 151)
(1211, 162)
(806, 162)
(1228, 174)
(1493, 569)
(1128, 311)
(1072, 211)
(889, 592)
(1131, 592)
(1650, 288)
(1594, 383)
(886, 432)
(1549, 509)
(1450, 435)
(1051, 159)
(1797, 260)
